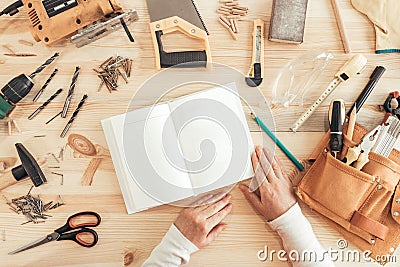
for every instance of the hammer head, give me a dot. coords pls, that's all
(28, 168)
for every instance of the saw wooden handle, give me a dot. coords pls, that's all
(173, 24)
(7, 180)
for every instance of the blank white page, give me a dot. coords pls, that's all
(206, 142)
(140, 142)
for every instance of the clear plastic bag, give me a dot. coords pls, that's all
(293, 82)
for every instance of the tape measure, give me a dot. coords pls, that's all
(352, 67)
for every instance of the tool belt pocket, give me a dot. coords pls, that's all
(364, 205)
(334, 189)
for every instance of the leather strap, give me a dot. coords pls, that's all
(396, 205)
(373, 227)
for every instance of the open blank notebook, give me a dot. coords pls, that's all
(181, 148)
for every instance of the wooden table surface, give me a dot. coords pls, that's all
(140, 233)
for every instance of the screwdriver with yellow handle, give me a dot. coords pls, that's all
(337, 117)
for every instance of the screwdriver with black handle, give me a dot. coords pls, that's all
(337, 116)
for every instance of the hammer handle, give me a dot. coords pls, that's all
(7, 180)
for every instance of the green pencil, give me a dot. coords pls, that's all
(277, 142)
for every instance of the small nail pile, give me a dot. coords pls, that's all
(230, 12)
(110, 70)
(33, 208)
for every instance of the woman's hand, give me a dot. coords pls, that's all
(276, 193)
(201, 225)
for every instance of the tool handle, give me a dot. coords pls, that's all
(7, 180)
(352, 123)
(80, 220)
(362, 160)
(352, 67)
(376, 75)
(336, 142)
(85, 237)
(166, 59)
(336, 122)
(352, 155)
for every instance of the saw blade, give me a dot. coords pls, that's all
(185, 9)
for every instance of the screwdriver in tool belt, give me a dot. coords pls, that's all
(20, 86)
(337, 116)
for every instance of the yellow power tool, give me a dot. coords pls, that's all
(84, 21)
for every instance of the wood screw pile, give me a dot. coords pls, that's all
(230, 12)
(33, 208)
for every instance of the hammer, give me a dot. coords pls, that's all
(28, 168)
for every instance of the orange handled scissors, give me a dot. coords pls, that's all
(83, 236)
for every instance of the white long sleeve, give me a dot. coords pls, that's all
(174, 250)
(293, 227)
(297, 235)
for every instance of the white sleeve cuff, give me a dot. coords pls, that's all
(181, 240)
(288, 218)
(297, 234)
(173, 251)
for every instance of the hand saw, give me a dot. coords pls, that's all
(183, 16)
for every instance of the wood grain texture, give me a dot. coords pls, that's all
(140, 233)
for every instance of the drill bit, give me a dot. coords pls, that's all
(44, 65)
(45, 104)
(74, 115)
(35, 99)
(128, 33)
(70, 92)
(52, 119)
